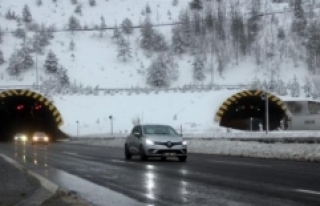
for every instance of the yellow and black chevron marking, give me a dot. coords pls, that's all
(38, 97)
(248, 93)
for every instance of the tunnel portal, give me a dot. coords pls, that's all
(246, 110)
(24, 111)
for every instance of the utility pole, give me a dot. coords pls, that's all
(77, 129)
(111, 124)
(37, 74)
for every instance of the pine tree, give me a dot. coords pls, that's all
(26, 15)
(74, 2)
(196, 5)
(51, 63)
(1, 35)
(1, 58)
(308, 87)
(299, 22)
(78, 9)
(157, 73)
(295, 88)
(254, 21)
(198, 69)
(92, 2)
(63, 77)
(74, 23)
(281, 88)
(175, 2)
(209, 20)
(127, 26)
(19, 33)
(186, 28)
(25, 55)
(103, 26)
(177, 43)
(124, 50)
(148, 10)
(36, 44)
(116, 33)
(39, 2)
(15, 65)
(72, 45)
(147, 34)
(159, 42)
(281, 35)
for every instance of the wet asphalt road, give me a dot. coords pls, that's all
(202, 180)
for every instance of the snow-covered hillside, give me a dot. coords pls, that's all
(94, 61)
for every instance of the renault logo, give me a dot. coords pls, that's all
(169, 144)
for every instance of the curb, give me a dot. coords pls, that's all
(47, 186)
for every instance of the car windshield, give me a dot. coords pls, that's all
(159, 129)
(39, 134)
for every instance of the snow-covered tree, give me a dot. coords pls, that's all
(281, 88)
(299, 22)
(92, 2)
(51, 63)
(148, 10)
(307, 87)
(103, 26)
(39, 2)
(175, 2)
(74, 23)
(1, 35)
(147, 33)
(25, 55)
(177, 43)
(196, 5)
(116, 33)
(295, 88)
(158, 73)
(72, 45)
(198, 69)
(63, 77)
(26, 15)
(159, 42)
(78, 9)
(20, 33)
(124, 49)
(1, 58)
(127, 26)
(15, 65)
(186, 28)
(256, 84)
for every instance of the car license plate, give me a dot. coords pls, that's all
(170, 154)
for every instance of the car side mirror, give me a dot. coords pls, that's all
(137, 134)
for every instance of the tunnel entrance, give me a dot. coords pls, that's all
(246, 110)
(24, 111)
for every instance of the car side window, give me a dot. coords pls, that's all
(139, 129)
(134, 130)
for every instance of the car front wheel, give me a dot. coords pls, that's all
(143, 155)
(182, 159)
(127, 154)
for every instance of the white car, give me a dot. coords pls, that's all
(155, 141)
(40, 138)
(20, 137)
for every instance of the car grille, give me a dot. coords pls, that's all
(165, 143)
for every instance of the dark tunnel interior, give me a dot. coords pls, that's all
(249, 113)
(21, 114)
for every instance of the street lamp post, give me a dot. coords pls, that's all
(267, 111)
(111, 124)
(77, 129)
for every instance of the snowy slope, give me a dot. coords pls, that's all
(96, 61)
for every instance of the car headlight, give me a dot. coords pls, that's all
(46, 139)
(35, 138)
(24, 138)
(184, 143)
(16, 138)
(149, 142)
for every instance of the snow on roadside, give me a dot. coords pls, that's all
(292, 151)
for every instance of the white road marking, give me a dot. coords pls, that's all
(239, 163)
(71, 153)
(114, 160)
(308, 191)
